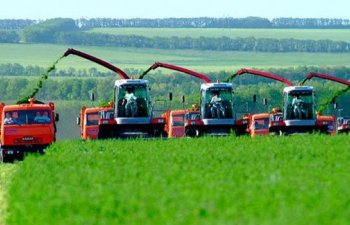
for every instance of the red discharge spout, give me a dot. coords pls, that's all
(177, 68)
(101, 62)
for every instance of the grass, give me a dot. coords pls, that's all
(289, 180)
(6, 175)
(206, 61)
(311, 34)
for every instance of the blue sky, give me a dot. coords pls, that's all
(44, 9)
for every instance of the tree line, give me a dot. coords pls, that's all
(204, 43)
(291, 73)
(201, 43)
(199, 22)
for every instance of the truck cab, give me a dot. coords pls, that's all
(89, 119)
(27, 128)
(259, 124)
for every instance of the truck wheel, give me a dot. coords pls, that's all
(1, 157)
(6, 158)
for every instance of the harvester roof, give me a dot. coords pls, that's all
(297, 89)
(127, 82)
(216, 86)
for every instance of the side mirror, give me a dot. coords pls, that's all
(78, 120)
(57, 117)
(335, 105)
(254, 98)
(183, 99)
(170, 96)
(265, 101)
(92, 96)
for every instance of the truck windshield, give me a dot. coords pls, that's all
(132, 101)
(178, 120)
(261, 124)
(27, 117)
(92, 118)
(217, 103)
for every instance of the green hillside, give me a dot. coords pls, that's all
(206, 61)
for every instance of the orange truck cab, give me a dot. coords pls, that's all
(175, 123)
(259, 124)
(26, 128)
(179, 122)
(89, 120)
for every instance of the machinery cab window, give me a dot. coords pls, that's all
(217, 103)
(92, 118)
(260, 124)
(132, 101)
(299, 105)
(178, 120)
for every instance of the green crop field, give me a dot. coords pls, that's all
(311, 34)
(207, 61)
(6, 174)
(272, 180)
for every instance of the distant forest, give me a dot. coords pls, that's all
(201, 22)
(73, 32)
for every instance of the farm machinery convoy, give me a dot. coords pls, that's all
(131, 113)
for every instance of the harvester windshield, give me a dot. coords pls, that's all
(216, 101)
(132, 99)
(299, 103)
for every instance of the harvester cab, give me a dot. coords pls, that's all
(299, 108)
(133, 115)
(216, 105)
(342, 125)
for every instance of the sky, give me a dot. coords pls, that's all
(45, 9)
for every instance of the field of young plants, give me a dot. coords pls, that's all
(272, 180)
(206, 61)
